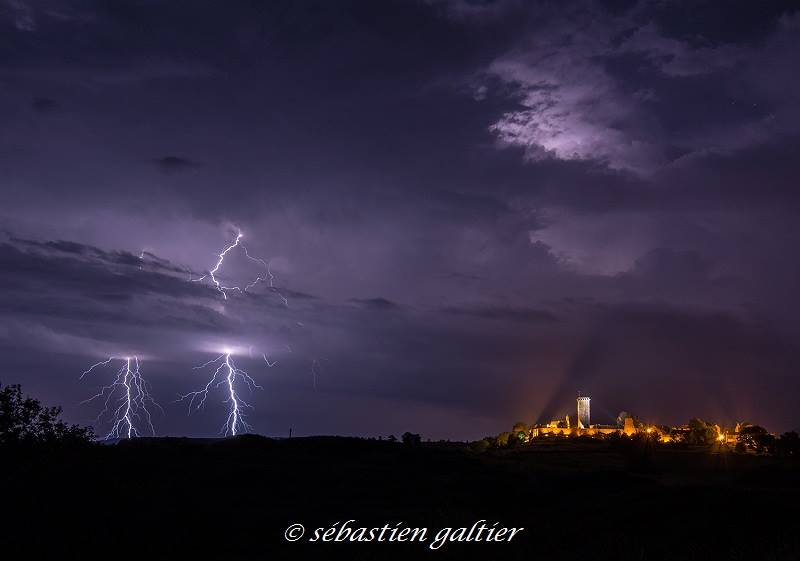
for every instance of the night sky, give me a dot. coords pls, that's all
(474, 209)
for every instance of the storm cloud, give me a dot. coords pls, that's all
(470, 211)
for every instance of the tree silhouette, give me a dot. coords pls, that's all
(519, 426)
(788, 445)
(701, 432)
(411, 439)
(23, 420)
(757, 438)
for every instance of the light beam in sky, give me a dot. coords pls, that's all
(226, 374)
(126, 399)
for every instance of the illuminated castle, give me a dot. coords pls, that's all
(582, 426)
(626, 425)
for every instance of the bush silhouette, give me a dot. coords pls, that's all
(411, 439)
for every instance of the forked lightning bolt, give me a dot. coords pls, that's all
(126, 399)
(225, 374)
(222, 289)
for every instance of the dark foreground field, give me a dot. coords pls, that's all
(233, 499)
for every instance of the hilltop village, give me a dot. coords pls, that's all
(741, 437)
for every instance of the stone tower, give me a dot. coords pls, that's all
(583, 411)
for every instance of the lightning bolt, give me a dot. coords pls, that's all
(126, 399)
(268, 276)
(225, 374)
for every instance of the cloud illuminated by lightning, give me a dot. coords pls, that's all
(226, 374)
(126, 399)
(268, 276)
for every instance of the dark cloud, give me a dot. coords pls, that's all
(91, 255)
(525, 315)
(175, 164)
(669, 263)
(703, 23)
(378, 304)
(45, 278)
(45, 104)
